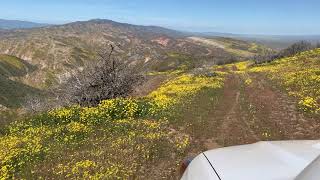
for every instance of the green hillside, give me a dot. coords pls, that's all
(13, 93)
(239, 47)
(11, 66)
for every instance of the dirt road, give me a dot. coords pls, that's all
(247, 113)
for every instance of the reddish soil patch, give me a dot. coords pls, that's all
(233, 129)
(162, 41)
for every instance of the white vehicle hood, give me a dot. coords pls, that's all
(278, 160)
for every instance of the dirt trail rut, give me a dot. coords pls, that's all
(248, 113)
(232, 129)
(274, 112)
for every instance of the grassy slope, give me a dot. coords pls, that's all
(239, 47)
(13, 92)
(121, 138)
(12, 66)
(175, 61)
(299, 75)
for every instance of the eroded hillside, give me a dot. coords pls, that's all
(61, 49)
(56, 52)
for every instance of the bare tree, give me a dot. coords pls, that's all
(108, 78)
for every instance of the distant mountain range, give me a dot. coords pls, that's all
(16, 24)
(273, 41)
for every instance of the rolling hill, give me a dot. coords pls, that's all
(61, 49)
(57, 51)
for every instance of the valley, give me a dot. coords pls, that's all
(57, 52)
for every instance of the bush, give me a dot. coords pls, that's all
(292, 50)
(295, 49)
(266, 56)
(107, 79)
(226, 60)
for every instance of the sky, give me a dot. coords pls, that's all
(272, 17)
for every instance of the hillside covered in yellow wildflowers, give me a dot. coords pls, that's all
(146, 137)
(113, 140)
(300, 76)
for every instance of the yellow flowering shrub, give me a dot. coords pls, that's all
(77, 127)
(18, 150)
(248, 81)
(183, 142)
(82, 168)
(120, 151)
(181, 89)
(241, 66)
(309, 103)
